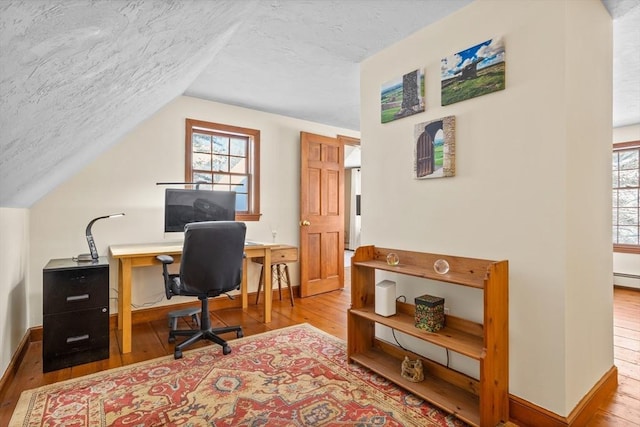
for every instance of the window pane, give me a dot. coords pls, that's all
(202, 161)
(220, 155)
(628, 159)
(220, 163)
(614, 179)
(221, 179)
(239, 184)
(242, 203)
(238, 164)
(628, 198)
(201, 143)
(629, 178)
(221, 187)
(615, 235)
(220, 144)
(614, 161)
(205, 187)
(628, 216)
(238, 147)
(628, 235)
(201, 177)
(615, 216)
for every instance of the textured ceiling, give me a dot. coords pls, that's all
(77, 75)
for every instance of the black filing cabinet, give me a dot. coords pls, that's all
(75, 313)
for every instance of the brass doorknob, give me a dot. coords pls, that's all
(305, 223)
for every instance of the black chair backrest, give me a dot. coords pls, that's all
(212, 257)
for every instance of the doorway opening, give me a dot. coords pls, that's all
(352, 195)
(352, 202)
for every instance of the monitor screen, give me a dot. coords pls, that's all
(184, 206)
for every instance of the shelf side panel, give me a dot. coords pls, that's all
(494, 368)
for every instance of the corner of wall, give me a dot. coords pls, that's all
(14, 250)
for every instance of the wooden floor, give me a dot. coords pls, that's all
(328, 312)
(623, 408)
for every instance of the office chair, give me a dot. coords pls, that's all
(211, 265)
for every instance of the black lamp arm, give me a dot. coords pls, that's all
(90, 242)
(88, 230)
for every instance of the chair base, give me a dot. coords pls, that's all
(210, 334)
(192, 312)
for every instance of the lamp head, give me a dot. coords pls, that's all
(93, 252)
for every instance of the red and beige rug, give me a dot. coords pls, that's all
(296, 376)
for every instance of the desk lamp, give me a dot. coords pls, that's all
(93, 255)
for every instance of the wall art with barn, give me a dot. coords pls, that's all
(473, 72)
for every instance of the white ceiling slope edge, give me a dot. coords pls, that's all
(78, 75)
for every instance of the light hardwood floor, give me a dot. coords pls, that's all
(328, 312)
(622, 409)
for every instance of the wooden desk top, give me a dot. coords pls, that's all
(171, 248)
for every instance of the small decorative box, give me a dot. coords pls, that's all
(429, 313)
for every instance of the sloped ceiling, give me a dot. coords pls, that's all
(77, 75)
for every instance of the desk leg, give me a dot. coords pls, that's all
(268, 291)
(124, 305)
(244, 288)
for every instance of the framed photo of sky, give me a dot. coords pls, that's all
(473, 72)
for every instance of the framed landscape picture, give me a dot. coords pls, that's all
(402, 97)
(435, 148)
(473, 72)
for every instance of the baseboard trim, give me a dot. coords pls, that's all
(589, 404)
(527, 414)
(14, 363)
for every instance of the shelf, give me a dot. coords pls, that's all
(419, 271)
(453, 339)
(480, 402)
(461, 403)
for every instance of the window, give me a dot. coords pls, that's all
(228, 157)
(626, 197)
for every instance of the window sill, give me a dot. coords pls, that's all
(248, 217)
(626, 249)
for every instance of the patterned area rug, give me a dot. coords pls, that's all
(296, 376)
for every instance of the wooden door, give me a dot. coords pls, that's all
(321, 214)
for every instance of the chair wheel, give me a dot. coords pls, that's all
(226, 349)
(177, 354)
(172, 339)
(239, 334)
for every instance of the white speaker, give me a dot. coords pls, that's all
(386, 298)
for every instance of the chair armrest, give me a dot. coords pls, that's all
(165, 259)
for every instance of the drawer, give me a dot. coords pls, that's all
(76, 289)
(285, 254)
(81, 331)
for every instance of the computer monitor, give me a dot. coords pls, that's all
(182, 206)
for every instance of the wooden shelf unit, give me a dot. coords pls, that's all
(483, 402)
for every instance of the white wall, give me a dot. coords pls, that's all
(14, 254)
(626, 263)
(529, 161)
(124, 180)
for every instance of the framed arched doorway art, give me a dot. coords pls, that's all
(434, 148)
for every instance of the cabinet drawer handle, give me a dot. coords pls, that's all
(77, 338)
(74, 298)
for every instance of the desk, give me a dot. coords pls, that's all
(143, 255)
